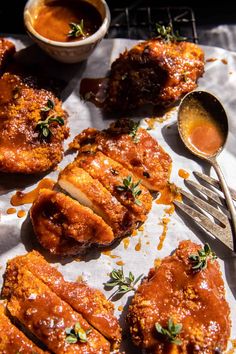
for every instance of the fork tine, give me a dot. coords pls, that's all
(213, 182)
(223, 234)
(206, 207)
(209, 193)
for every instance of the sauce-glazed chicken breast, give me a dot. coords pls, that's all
(156, 72)
(7, 50)
(89, 302)
(132, 147)
(112, 176)
(32, 127)
(51, 319)
(191, 299)
(91, 193)
(12, 340)
(65, 227)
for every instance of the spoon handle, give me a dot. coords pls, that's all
(228, 198)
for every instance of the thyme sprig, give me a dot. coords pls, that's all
(171, 332)
(200, 259)
(124, 284)
(76, 334)
(131, 189)
(43, 126)
(167, 33)
(133, 131)
(76, 29)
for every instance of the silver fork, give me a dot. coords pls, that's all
(220, 227)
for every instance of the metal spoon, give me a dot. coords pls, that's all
(201, 117)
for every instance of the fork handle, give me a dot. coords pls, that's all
(228, 197)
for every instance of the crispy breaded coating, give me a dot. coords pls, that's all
(195, 299)
(12, 340)
(141, 154)
(89, 302)
(23, 147)
(154, 72)
(91, 193)
(112, 174)
(7, 50)
(43, 313)
(65, 227)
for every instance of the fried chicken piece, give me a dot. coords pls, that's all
(43, 313)
(154, 72)
(90, 303)
(65, 227)
(132, 147)
(12, 340)
(91, 193)
(195, 299)
(112, 175)
(31, 134)
(7, 50)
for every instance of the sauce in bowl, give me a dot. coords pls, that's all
(54, 20)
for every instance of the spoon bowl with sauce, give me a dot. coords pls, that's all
(203, 128)
(68, 30)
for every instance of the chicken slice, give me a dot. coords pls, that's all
(132, 147)
(194, 299)
(91, 193)
(156, 72)
(65, 227)
(7, 50)
(90, 303)
(12, 340)
(33, 127)
(47, 316)
(112, 176)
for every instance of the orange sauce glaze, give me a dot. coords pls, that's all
(183, 174)
(11, 211)
(164, 222)
(168, 194)
(53, 19)
(21, 213)
(202, 131)
(21, 198)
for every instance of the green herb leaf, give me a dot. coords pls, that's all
(171, 332)
(124, 284)
(76, 334)
(49, 105)
(167, 33)
(200, 259)
(131, 189)
(133, 131)
(76, 29)
(43, 126)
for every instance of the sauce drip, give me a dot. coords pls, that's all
(21, 198)
(53, 19)
(200, 129)
(120, 263)
(94, 90)
(183, 174)
(11, 211)
(168, 194)
(138, 246)
(165, 221)
(126, 243)
(21, 213)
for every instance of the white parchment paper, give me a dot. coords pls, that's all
(16, 236)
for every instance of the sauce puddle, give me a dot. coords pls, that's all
(21, 198)
(164, 222)
(94, 90)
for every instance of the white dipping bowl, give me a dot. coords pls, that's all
(67, 52)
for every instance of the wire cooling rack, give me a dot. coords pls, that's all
(138, 22)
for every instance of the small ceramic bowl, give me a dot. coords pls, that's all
(67, 52)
